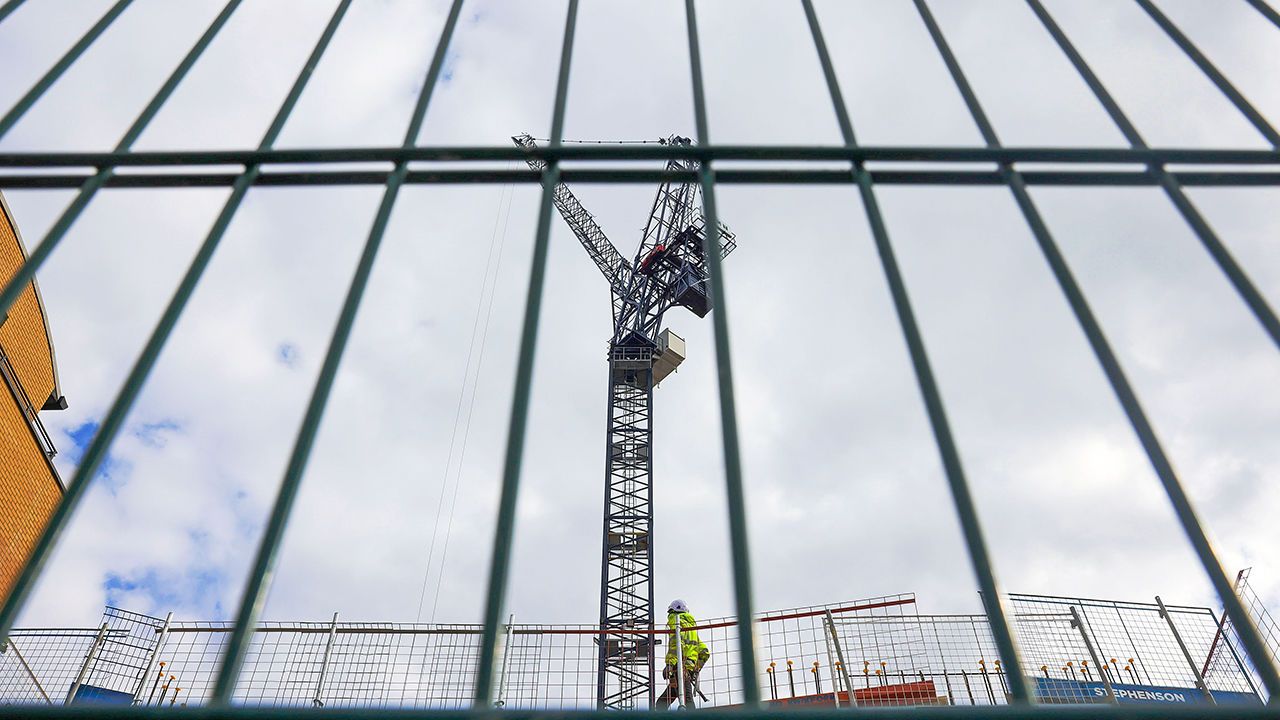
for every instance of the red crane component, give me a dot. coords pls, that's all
(656, 254)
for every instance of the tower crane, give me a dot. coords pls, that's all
(669, 270)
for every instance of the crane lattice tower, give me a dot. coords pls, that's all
(669, 270)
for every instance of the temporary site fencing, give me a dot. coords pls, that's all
(874, 652)
(1226, 634)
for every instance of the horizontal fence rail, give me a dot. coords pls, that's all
(1026, 651)
(1146, 167)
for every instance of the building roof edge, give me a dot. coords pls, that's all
(44, 315)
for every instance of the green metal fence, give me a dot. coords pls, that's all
(411, 163)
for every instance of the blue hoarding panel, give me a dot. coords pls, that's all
(1054, 690)
(88, 694)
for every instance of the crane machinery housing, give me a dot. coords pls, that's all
(669, 270)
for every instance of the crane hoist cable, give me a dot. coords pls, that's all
(497, 239)
(504, 196)
(475, 389)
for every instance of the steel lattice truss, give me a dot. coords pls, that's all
(626, 666)
(669, 269)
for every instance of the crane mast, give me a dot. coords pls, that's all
(669, 269)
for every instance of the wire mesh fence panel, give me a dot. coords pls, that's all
(40, 666)
(107, 664)
(921, 660)
(126, 652)
(1261, 615)
(452, 670)
(382, 666)
(378, 665)
(1198, 628)
(1226, 652)
(1130, 652)
(191, 653)
(283, 667)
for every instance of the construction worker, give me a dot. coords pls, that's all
(693, 651)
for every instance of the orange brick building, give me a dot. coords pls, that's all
(29, 484)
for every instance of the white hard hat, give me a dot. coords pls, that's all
(677, 606)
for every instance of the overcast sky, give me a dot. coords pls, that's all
(845, 494)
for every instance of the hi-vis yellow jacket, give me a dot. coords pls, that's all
(695, 651)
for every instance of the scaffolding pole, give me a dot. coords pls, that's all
(844, 666)
(679, 641)
(155, 655)
(88, 660)
(1084, 635)
(831, 663)
(1191, 663)
(317, 700)
(501, 696)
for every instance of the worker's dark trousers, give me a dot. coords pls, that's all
(672, 693)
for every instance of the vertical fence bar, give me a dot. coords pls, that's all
(1128, 399)
(255, 593)
(27, 271)
(505, 527)
(724, 374)
(42, 85)
(1267, 11)
(1184, 43)
(993, 599)
(1248, 292)
(114, 418)
(1186, 654)
(8, 8)
(1249, 635)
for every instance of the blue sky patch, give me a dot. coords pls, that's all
(112, 472)
(154, 434)
(450, 65)
(80, 436)
(288, 355)
(193, 589)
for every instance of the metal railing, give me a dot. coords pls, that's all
(91, 172)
